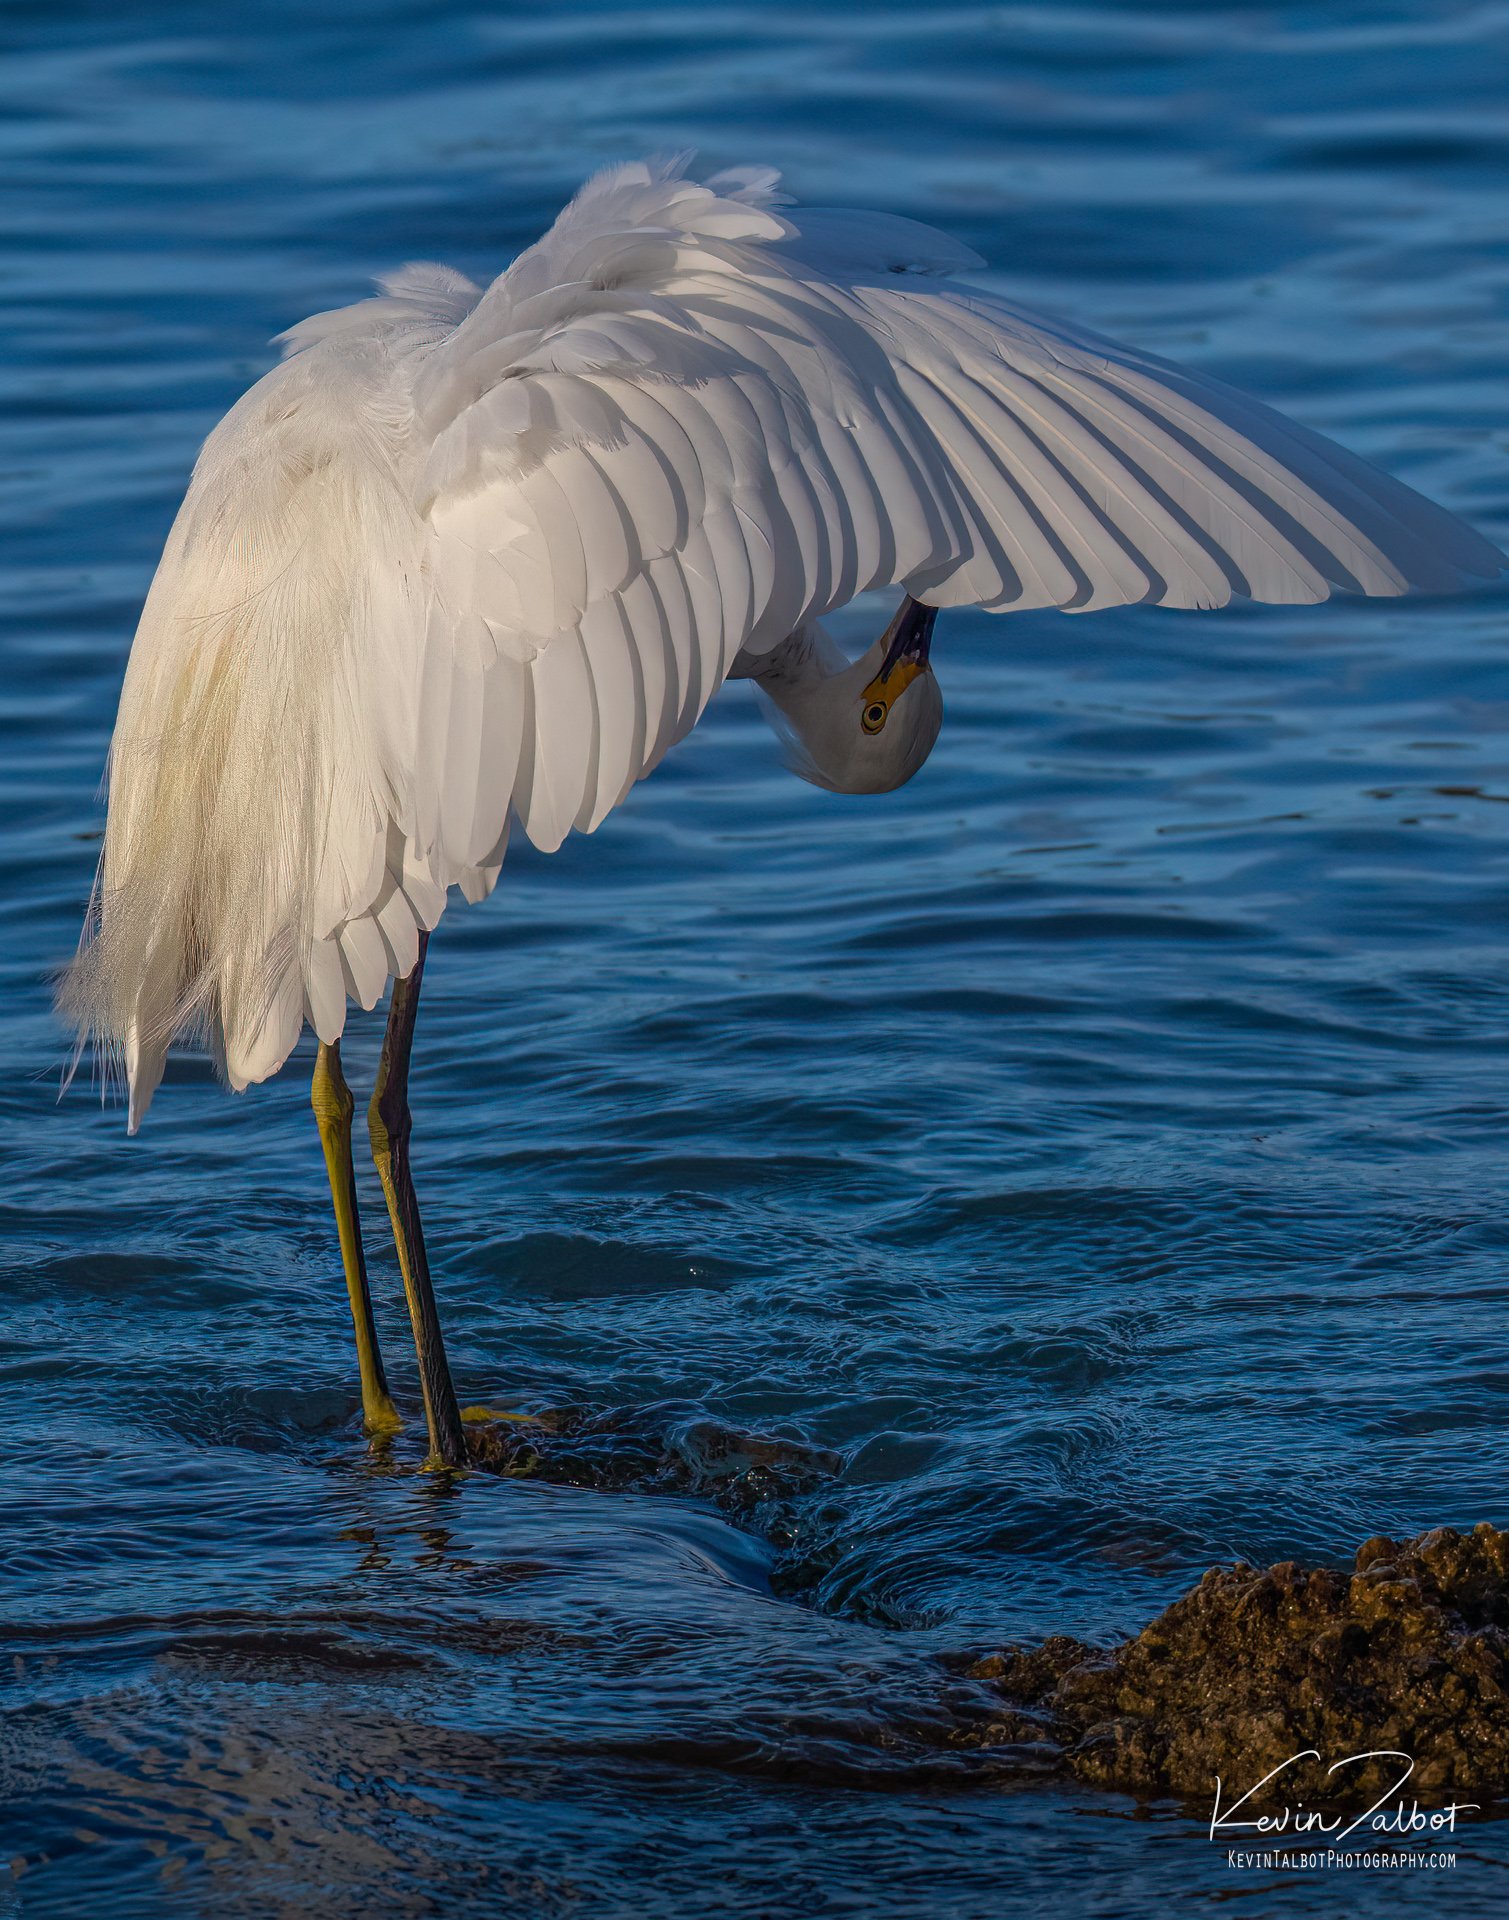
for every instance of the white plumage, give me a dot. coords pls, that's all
(470, 556)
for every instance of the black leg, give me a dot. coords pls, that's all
(389, 1122)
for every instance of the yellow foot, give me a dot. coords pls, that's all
(381, 1419)
(478, 1415)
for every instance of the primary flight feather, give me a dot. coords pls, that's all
(470, 556)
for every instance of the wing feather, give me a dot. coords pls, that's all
(365, 961)
(618, 698)
(548, 798)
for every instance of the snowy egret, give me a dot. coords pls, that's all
(471, 555)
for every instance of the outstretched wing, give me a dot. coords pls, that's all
(683, 423)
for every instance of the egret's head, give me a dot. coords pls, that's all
(869, 727)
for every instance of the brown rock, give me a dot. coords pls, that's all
(1409, 1651)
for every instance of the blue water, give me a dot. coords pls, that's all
(1090, 1158)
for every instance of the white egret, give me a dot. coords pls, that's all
(473, 555)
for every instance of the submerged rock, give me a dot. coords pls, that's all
(1409, 1651)
(656, 1449)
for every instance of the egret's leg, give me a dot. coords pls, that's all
(390, 1123)
(333, 1107)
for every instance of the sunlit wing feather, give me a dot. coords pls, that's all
(680, 438)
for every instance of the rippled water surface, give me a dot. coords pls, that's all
(1091, 1159)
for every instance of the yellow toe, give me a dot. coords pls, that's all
(381, 1418)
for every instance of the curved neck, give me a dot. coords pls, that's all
(790, 671)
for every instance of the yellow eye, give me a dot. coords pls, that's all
(874, 715)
